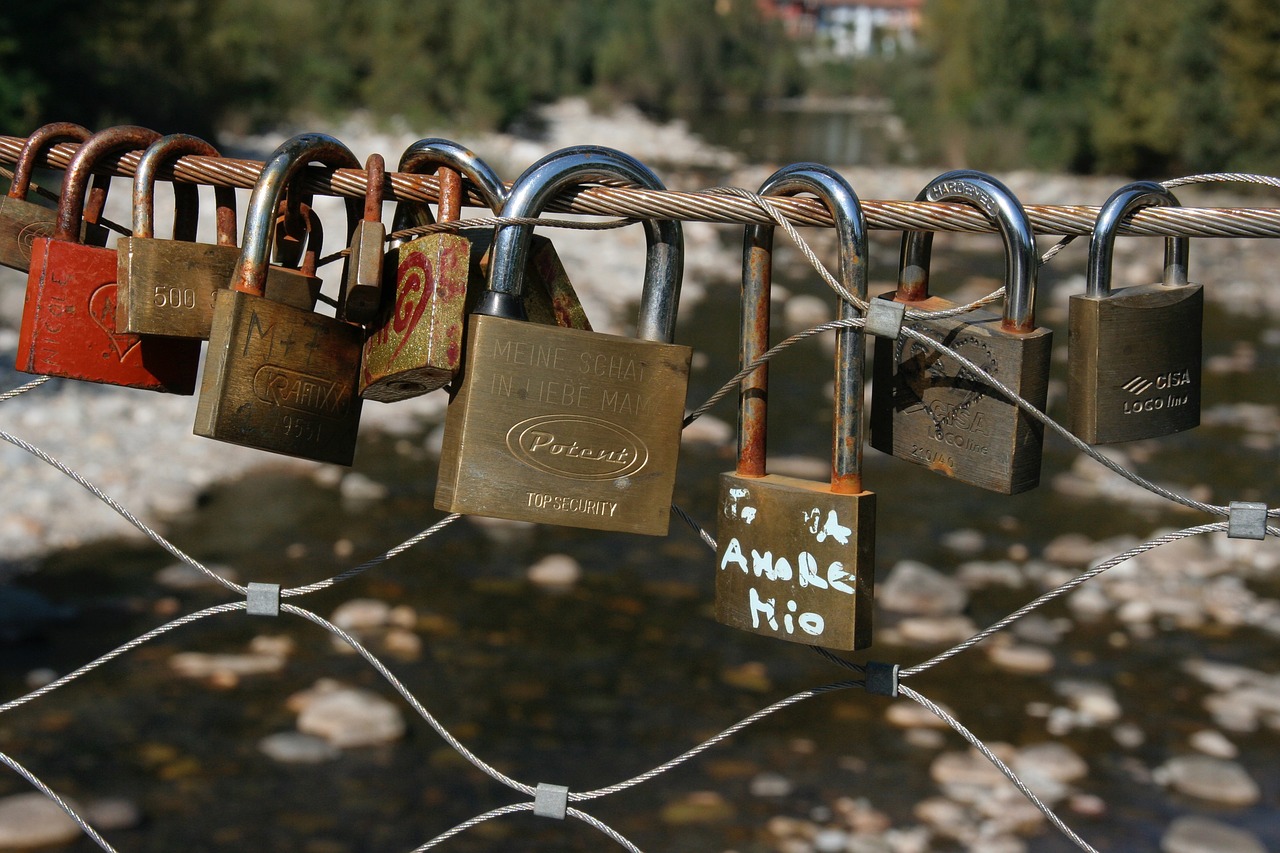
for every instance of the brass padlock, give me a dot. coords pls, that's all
(167, 286)
(925, 407)
(362, 275)
(795, 559)
(21, 221)
(564, 426)
(277, 377)
(69, 317)
(1134, 352)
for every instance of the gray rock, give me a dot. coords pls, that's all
(1211, 779)
(298, 748)
(1193, 834)
(915, 588)
(770, 785)
(34, 820)
(349, 717)
(555, 571)
(361, 614)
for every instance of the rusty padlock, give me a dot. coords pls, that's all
(564, 426)
(1134, 352)
(362, 273)
(795, 558)
(69, 318)
(277, 377)
(416, 345)
(167, 286)
(925, 407)
(22, 220)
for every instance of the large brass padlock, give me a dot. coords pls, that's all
(69, 317)
(928, 409)
(167, 286)
(1134, 352)
(416, 346)
(795, 559)
(21, 220)
(564, 426)
(277, 377)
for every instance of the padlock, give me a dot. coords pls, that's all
(564, 426)
(277, 377)
(69, 318)
(1134, 352)
(167, 286)
(21, 221)
(795, 559)
(416, 345)
(925, 407)
(362, 274)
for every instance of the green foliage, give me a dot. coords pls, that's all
(197, 65)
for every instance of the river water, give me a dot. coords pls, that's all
(628, 668)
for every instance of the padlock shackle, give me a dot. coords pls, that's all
(165, 151)
(850, 357)
(427, 155)
(40, 141)
(285, 162)
(113, 140)
(543, 181)
(375, 168)
(1124, 201)
(998, 203)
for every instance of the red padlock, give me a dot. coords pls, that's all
(69, 318)
(21, 220)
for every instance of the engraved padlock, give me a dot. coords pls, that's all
(564, 426)
(363, 274)
(22, 220)
(167, 286)
(795, 559)
(69, 318)
(415, 344)
(277, 377)
(927, 408)
(1134, 352)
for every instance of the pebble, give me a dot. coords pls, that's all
(182, 577)
(698, 807)
(906, 714)
(33, 820)
(1212, 779)
(298, 748)
(965, 541)
(555, 572)
(1214, 743)
(914, 588)
(350, 717)
(770, 785)
(361, 614)
(977, 574)
(225, 668)
(1020, 658)
(707, 430)
(942, 631)
(358, 490)
(1195, 834)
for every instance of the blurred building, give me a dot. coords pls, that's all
(849, 29)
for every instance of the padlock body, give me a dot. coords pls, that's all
(280, 379)
(549, 297)
(21, 222)
(362, 293)
(1135, 361)
(416, 345)
(563, 426)
(795, 561)
(167, 287)
(69, 325)
(928, 410)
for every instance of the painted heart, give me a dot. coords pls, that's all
(102, 308)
